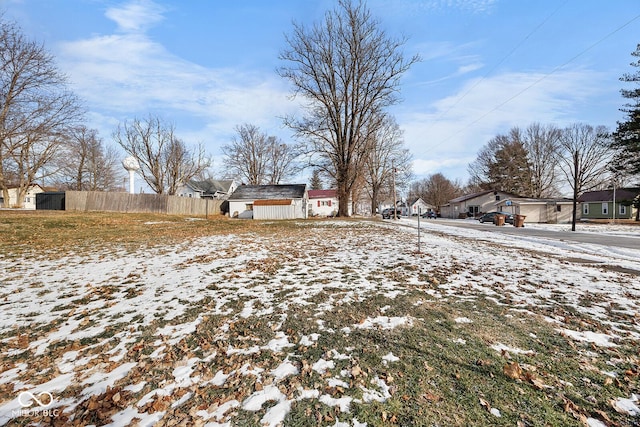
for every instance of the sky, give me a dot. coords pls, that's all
(210, 66)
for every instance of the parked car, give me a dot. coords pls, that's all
(429, 214)
(491, 217)
(388, 213)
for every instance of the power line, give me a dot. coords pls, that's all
(538, 80)
(516, 47)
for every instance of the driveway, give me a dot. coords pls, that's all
(568, 236)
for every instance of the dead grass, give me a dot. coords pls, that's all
(447, 372)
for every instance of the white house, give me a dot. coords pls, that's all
(207, 189)
(323, 202)
(419, 206)
(287, 201)
(29, 200)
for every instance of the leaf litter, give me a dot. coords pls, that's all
(319, 323)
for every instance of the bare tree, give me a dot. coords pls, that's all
(36, 110)
(258, 158)
(584, 158)
(436, 190)
(348, 71)
(387, 156)
(86, 163)
(541, 144)
(165, 161)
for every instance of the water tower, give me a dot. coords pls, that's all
(131, 165)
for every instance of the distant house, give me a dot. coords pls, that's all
(323, 202)
(208, 189)
(600, 204)
(550, 211)
(419, 206)
(29, 200)
(473, 205)
(288, 201)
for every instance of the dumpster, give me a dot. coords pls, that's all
(518, 220)
(499, 220)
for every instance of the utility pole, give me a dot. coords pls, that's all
(613, 208)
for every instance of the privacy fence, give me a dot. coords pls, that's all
(125, 202)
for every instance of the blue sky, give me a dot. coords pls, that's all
(208, 66)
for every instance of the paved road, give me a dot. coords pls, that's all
(569, 236)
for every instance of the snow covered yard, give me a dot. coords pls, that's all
(336, 323)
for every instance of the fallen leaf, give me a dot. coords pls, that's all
(513, 370)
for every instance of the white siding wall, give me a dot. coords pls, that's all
(324, 209)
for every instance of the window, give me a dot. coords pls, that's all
(249, 206)
(585, 209)
(558, 208)
(605, 208)
(473, 210)
(497, 197)
(622, 209)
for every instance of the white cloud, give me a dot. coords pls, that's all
(448, 135)
(136, 16)
(127, 75)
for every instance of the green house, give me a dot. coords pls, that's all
(604, 204)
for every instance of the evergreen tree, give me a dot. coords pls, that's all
(627, 135)
(316, 180)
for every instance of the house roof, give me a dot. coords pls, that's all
(479, 194)
(607, 195)
(532, 200)
(269, 192)
(211, 186)
(416, 200)
(322, 194)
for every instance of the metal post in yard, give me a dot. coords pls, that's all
(419, 212)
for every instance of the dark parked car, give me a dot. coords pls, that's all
(491, 217)
(429, 214)
(388, 213)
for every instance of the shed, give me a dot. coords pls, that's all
(284, 201)
(51, 200)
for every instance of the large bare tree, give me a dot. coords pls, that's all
(387, 156)
(87, 163)
(36, 110)
(541, 142)
(165, 161)
(436, 190)
(347, 69)
(257, 158)
(584, 158)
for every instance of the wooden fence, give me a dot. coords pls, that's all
(125, 202)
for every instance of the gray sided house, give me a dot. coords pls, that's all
(473, 205)
(288, 201)
(600, 204)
